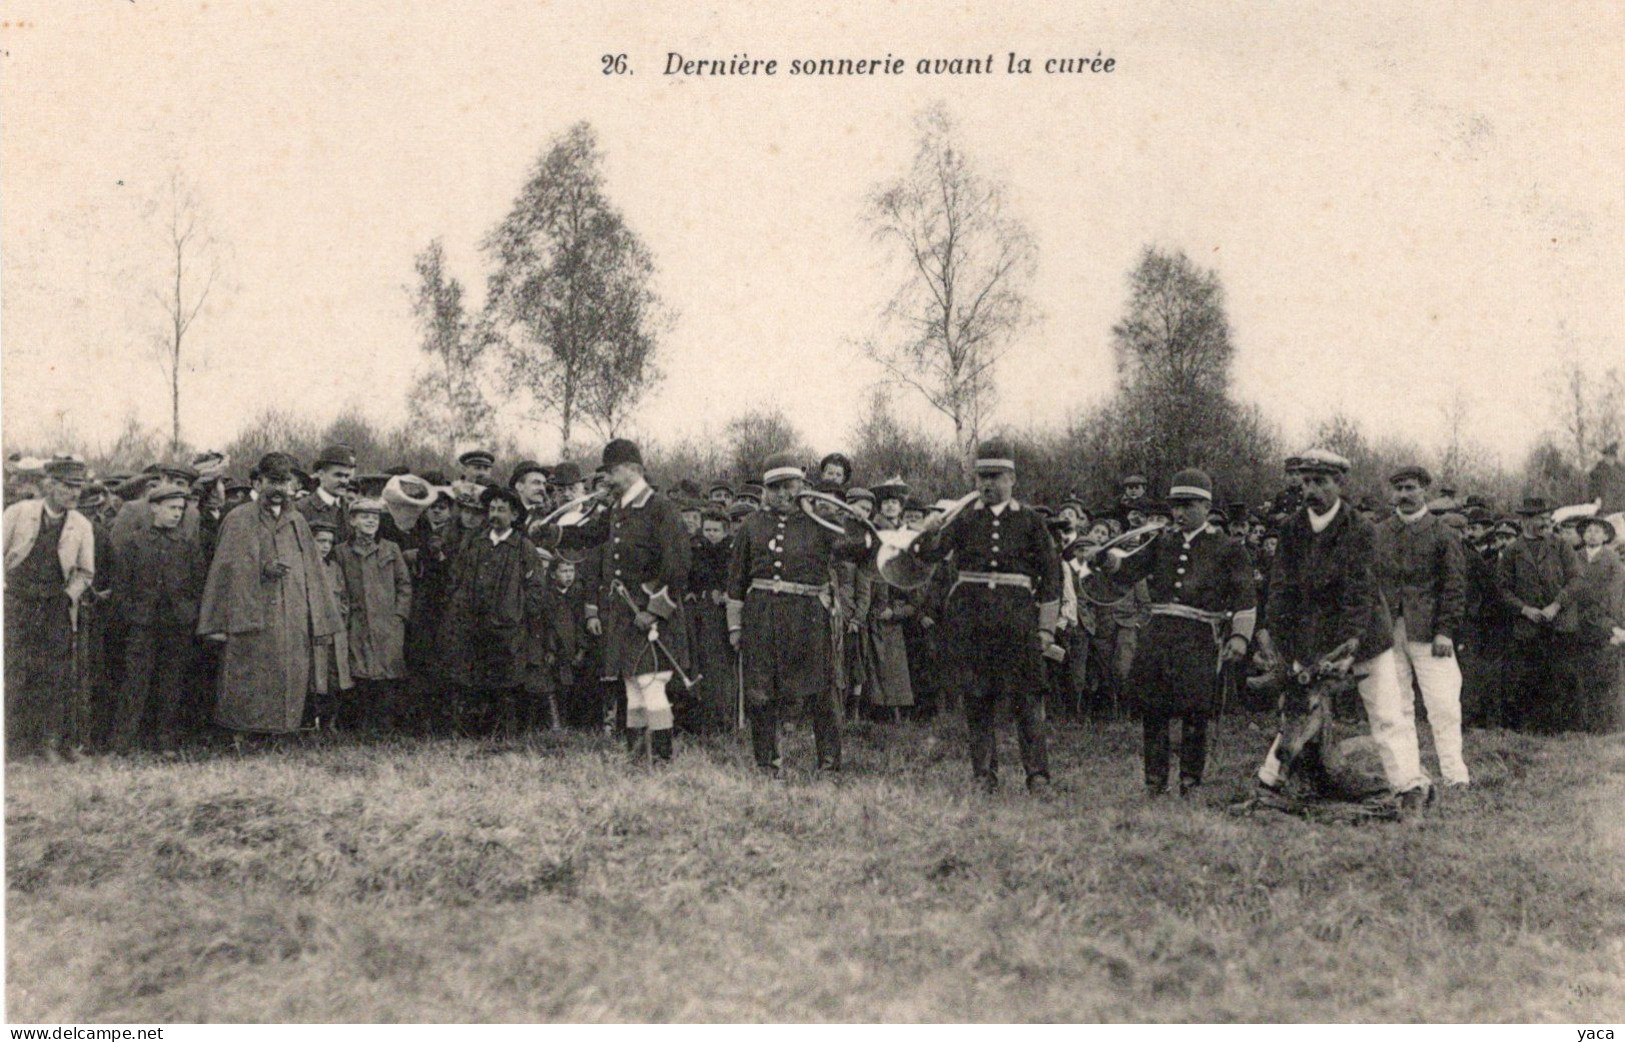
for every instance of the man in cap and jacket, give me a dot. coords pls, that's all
(50, 563)
(477, 465)
(1424, 580)
(1000, 614)
(1325, 591)
(1202, 616)
(157, 583)
(645, 562)
(334, 471)
(1538, 577)
(779, 603)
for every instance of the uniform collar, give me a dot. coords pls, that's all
(998, 511)
(1190, 537)
(636, 496)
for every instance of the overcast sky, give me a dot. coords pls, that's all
(1402, 201)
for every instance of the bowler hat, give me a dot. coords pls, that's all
(335, 456)
(1533, 506)
(619, 451)
(566, 473)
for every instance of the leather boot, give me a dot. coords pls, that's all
(661, 741)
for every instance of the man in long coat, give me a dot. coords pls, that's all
(268, 599)
(640, 591)
(1538, 577)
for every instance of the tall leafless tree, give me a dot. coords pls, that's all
(191, 269)
(967, 263)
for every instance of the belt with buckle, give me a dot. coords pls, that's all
(995, 579)
(795, 589)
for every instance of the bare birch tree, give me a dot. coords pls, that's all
(967, 263)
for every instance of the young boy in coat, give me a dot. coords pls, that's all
(377, 593)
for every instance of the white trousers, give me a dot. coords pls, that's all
(1440, 681)
(646, 702)
(1393, 726)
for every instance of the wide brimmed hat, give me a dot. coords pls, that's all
(1610, 533)
(891, 488)
(407, 496)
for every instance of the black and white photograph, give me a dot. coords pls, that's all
(629, 513)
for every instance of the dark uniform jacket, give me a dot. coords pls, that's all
(1211, 573)
(645, 552)
(1324, 589)
(785, 644)
(1176, 664)
(158, 578)
(1535, 573)
(1012, 541)
(1424, 576)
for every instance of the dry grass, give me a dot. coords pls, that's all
(549, 881)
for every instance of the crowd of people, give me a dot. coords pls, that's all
(147, 611)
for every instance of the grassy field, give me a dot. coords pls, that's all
(550, 881)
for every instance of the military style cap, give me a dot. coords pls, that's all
(1322, 461)
(1190, 484)
(1414, 472)
(161, 492)
(473, 456)
(69, 470)
(781, 466)
(994, 456)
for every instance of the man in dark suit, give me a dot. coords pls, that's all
(1324, 591)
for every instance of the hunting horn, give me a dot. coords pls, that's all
(894, 558)
(1085, 568)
